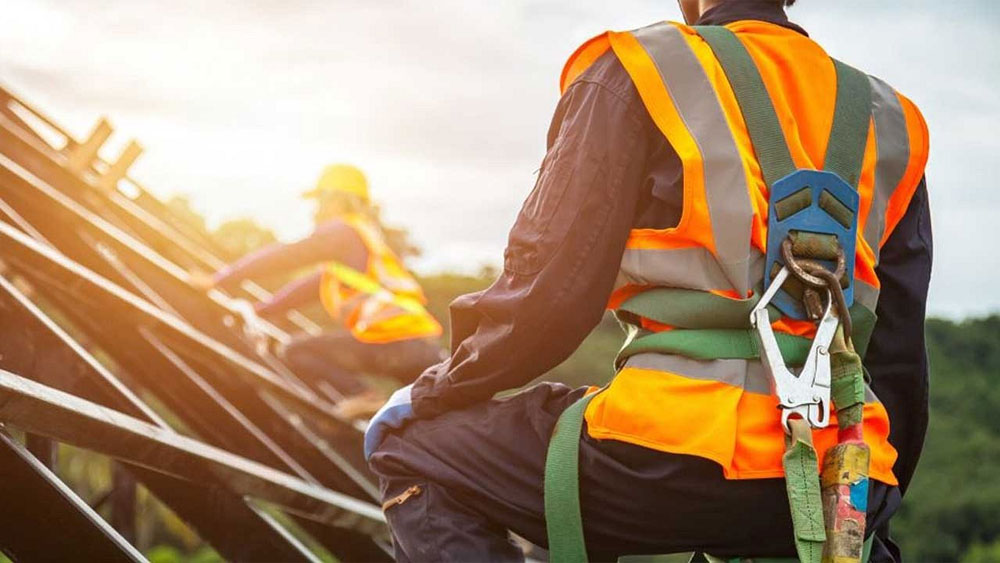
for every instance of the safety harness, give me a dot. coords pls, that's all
(812, 229)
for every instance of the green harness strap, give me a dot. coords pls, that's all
(563, 519)
(721, 343)
(845, 151)
(851, 118)
(755, 103)
(801, 465)
(688, 308)
(712, 344)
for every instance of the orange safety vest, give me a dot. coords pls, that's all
(382, 304)
(723, 410)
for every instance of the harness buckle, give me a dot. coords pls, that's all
(807, 394)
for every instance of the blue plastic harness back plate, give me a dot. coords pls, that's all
(812, 219)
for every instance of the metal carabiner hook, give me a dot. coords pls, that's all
(807, 394)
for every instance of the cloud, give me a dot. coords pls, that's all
(446, 104)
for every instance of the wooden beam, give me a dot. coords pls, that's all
(49, 412)
(83, 155)
(116, 171)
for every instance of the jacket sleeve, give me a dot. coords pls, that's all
(297, 292)
(897, 356)
(562, 256)
(331, 241)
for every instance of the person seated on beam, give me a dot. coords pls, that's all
(382, 327)
(654, 202)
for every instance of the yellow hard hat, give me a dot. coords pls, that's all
(340, 178)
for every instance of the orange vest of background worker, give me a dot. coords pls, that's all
(377, 305)
(654, 201)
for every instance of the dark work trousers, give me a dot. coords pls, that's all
(481, 473)
(336, 357)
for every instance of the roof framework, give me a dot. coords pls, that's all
(105, 346)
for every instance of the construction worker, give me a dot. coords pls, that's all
(382, 325)
(655, 193)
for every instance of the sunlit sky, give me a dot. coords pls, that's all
(445, 104)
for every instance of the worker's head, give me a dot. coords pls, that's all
(341, 189)
(693, 9)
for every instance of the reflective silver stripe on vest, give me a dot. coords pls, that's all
(747, 374)
(729, 207)
(892, 144)
(692, 268)
(695, 267)
(865, 294)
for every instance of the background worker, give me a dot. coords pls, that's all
(677, 454)
(382, 327)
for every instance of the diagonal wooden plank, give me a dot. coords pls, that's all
(44, 520)
(42, 410)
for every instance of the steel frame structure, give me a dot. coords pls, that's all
(105, 346)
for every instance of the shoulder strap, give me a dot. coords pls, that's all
(852, 113)
(755, 103)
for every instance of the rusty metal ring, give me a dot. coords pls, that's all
(795, 266)
(832, 281)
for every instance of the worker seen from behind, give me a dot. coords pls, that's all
(381, 326)
(756, 216)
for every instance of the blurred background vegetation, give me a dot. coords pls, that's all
(950, 513)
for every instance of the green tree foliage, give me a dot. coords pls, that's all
(180, 207)
(241, 236)
(952, 510)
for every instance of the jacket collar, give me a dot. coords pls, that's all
(769, 11)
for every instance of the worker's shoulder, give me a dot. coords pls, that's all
(336, 230)
(916, 125)
(607, 73)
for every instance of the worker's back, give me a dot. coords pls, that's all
(720, 406)
(381, 302)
